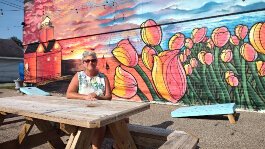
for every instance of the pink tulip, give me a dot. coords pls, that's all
(176, 42)
(126, 53)
(234, 40)
(208, 58)
(125, 84)
(220, 36)
(188, 69)
(205, 58)
(148, 54)
(151, 33)
(231, 79)
(248, 52)
(182, 57)
(198, 34)
(193, 62)
(227, 55)
(205, 39)
(261, 68)
(210, 43)
(241, 31)
(188, 43)
(169, 76)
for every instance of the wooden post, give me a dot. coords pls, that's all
(45, 126)
(231, 118)
(121, 135)
(25, 131)
(81, 139)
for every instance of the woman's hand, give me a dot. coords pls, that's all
(91, 96)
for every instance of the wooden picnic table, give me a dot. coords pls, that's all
(78, 118)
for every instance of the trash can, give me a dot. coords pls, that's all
(21, 71)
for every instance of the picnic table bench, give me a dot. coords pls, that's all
(79, 118)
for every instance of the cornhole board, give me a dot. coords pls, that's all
(227, 109)
(34, 91)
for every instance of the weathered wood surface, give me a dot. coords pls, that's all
(89, 114)
(146, 137)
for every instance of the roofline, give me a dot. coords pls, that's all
(14, 58)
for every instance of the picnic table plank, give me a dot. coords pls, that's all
(89, 114)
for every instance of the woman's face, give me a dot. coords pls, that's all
(90, 63)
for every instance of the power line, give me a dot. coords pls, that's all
(10, 5)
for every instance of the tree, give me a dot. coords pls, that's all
(17, 41)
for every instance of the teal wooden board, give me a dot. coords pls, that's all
(34, 91)
(217, 109)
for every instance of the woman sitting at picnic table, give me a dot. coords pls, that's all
(90, 84)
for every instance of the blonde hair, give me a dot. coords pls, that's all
(89, 53)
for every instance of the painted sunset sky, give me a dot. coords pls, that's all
(72, 18)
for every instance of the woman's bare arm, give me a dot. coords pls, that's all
(108, 95)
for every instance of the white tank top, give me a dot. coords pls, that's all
(89, 85)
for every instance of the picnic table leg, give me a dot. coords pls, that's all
(25, 131)
(81, 139)
(45, 126)
(121, 135)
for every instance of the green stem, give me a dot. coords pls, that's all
(218, 87)
(142, 95)
(256, 77)
(237, 96)
(196, 73)
(232, 68)
(218, 75)
(246, 100)
(185, 100)
(148, 83)
(237, 59)
(158, 49)
(193, 91)
(262, 57)
(205, 85)
(256, 99)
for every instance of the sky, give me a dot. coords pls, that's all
(11, 19)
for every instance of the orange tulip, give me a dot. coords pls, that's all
(205, 58)
(188, 69)
(231, 79)
(182, 57)
(227, 55)
(234, 40)
(169, 76)
(220, 36)
(151, 33)
(210, 43)
(193, 62)
(257, 37)
(241, 31)
(248, 52)
(188, 43)
(176, 42)
(198, 34)
(261, 68)
(126, 53)
(125, 84)
(187, 52)
(148, 57)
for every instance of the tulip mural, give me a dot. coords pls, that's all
(197, 69)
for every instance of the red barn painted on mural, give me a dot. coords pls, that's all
(43, 59)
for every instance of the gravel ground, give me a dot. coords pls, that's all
(213, 131)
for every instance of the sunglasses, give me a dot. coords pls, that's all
(90, 60)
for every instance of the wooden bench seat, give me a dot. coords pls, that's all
(146, 137)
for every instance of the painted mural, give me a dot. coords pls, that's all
(170, 52)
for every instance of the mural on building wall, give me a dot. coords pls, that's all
(154, 54)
